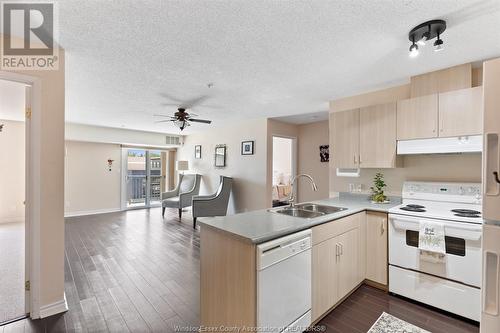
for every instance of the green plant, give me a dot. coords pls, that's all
(378, 188)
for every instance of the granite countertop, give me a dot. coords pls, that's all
(263, 225)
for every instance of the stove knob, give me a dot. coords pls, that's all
(461, 191)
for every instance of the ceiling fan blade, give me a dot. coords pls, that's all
(170, 97)
(200, 121)
(162, 115)
(164, 121)
(189, 104)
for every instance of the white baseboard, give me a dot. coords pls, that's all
(54, 308)
(92, 212)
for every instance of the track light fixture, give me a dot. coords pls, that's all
(425, 32)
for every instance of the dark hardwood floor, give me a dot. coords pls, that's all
(360, 310)
(134, 271)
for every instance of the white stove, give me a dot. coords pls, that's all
(460, 202)
(449, 281)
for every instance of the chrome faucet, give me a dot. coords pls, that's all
(291, 199)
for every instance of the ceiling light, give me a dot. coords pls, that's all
(182, 124)
(424, 32)
(425, 37)
(438, 45)
(413, 50)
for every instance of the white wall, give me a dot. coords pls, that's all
(311, 136)
(12, 171)
(248, 171)
(282, 160)
(90, 186)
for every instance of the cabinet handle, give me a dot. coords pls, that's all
(495, 173)
(341, 248)
(337, 251)
(382, 228)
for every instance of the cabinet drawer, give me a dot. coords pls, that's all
(335, 228)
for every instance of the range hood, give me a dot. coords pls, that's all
(459, 144)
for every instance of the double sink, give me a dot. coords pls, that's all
(308, 210)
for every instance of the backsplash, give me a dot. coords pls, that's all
(446, 167)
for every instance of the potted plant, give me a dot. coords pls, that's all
(379, 184)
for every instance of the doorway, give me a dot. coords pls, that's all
(146, 177)
(14, 222)
(284, 168)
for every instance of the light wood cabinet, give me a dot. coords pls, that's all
(345, 138)
(324, 272)
(377, 136)
(365, 138)
(460, 112)
(417, 118)
(336, 260)
(376, 247)
(347, 262)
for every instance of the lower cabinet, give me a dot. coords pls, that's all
(376, 247)
(337, 261)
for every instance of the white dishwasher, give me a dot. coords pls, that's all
(284, 283)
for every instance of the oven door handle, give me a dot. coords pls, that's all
(461, 230)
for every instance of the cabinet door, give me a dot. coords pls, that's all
(460, 112)
(417, 118)
(376, 247)
(348, 263)
(324, 276)
(345, 138)
(377, 144)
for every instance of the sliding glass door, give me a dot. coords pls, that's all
(145, 177)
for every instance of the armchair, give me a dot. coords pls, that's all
(181, 197)
(213, 204)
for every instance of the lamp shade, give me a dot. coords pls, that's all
(182, 165)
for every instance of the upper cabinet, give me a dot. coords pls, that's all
(460, 112)
(453, 113)
(345, 138)
(365, 138)
(377, 144)
(417, 118)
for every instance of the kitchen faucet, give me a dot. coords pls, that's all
(291, 199)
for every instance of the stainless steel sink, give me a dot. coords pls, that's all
(297, 212)
(308, 210)
(320, 208)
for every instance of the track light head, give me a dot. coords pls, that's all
(413, 50)
(438, 45)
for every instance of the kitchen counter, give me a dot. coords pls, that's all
(263, 225)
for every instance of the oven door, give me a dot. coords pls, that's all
(462, 262)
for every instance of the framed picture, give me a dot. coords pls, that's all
(197, 152)
(247, 147)
(220, 156)
(324, 153)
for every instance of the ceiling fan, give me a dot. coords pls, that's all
(182, 119)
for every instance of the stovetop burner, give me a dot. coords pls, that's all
(466, 211)
(468, 215)
(414, 208)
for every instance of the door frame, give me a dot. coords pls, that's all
(32, 189)
(294, 160)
